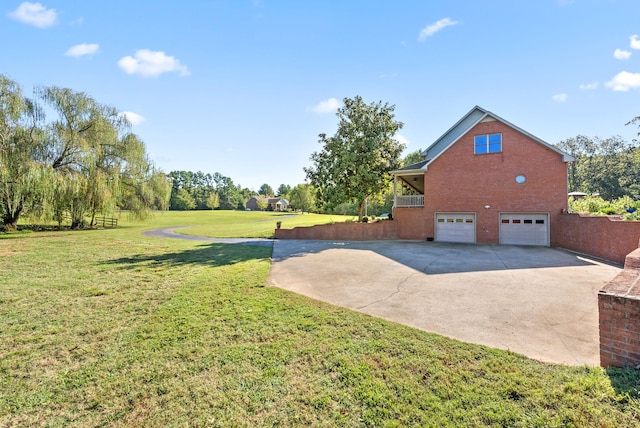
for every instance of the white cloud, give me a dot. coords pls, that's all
(402, 139)
(133, 118)
(621, 54)
(432, 29)
(34, 14)
(589, 86)
(82, 49)
(634, 42)
(624, 81)
(328, 106)
(149, 63)
(560, 98)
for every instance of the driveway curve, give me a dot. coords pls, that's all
(169, 232)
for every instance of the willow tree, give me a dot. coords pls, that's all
(140, 185)
(96, 161)
(23, 176)
(356, 162)
(83, 162)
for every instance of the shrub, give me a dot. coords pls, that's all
(595, 205)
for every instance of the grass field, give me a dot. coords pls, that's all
(112, 328)
(243, 224)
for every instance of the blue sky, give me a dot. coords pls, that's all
(244, 87)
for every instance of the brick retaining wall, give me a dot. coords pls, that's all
(385, 229)
(619, 313)
(602, 236)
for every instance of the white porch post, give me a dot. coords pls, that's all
(395, 195)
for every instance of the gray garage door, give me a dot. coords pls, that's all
(456, 227)
(524, 229)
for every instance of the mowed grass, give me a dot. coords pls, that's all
(245, 224)
(112, 328)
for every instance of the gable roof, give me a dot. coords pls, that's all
(277, 200)
(468, 121)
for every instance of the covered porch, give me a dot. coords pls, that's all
(408, 189)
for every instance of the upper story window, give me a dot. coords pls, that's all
(489, 143)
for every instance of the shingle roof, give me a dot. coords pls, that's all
(411, 167)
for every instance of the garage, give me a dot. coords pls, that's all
(456, 227)
(524, 229)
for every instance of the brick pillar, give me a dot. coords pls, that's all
(619, 314)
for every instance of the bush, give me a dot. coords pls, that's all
(595, 205)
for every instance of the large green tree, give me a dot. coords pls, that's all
(81, 162)
(355, 163)
(93, 155)
(213, 201)
(283, 190)
(610, 167)
(302, 198)
(412, 158)
(142, 186)
(265, 190)
(24, 178)
(231, 196)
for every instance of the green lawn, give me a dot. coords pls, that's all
(110, 327)
(244, 224)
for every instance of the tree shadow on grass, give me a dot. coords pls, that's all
(211, 255)
(625, 381)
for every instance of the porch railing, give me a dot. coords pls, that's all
(410, 201)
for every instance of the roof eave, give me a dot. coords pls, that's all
(409, 171)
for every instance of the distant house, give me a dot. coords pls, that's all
(273, 204)
(484, 181)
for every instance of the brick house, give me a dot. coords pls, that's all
(273, 204)
(484, 181)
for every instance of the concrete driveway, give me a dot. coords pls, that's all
(537, 301)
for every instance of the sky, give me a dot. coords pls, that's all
(244, 87)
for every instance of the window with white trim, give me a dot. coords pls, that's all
(488, 143)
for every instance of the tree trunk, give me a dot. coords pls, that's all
(361, 208)
(11, 217)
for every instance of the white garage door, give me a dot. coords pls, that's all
(456, 227)
(524, 229)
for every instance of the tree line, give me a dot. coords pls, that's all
(607, 167)
(201, 191)
(80, 162)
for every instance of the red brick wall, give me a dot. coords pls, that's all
(619, 313)
(385, 229)
(413, 223)
(460, 181)
(598, 236)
